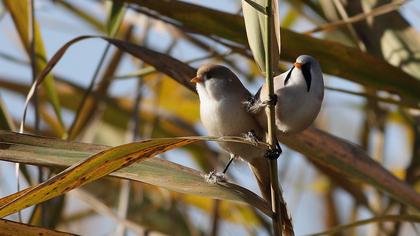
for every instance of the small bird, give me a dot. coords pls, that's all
(299, 93)
(223, 113)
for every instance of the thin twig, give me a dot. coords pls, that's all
(342, 11)
(385, 218)
(384, 9)
(407, 104)
(103, 209)
(13, 59)
(90, 88)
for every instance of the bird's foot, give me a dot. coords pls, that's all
(214, 177)
(253, 105)
(272, 101)
(273, 153)
(251, 136)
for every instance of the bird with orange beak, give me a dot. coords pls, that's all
(299, 94)
(228, 109)
(223, 113)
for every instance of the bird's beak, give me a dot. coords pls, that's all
(298, 65)
(196, 79)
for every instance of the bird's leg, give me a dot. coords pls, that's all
(253, 105)
(272, 101)
(252, 137)
(232, 157)
(214, 177)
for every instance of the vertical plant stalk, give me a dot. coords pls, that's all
(215, 217)
(123, 204)
(33, 66)
(271, 137)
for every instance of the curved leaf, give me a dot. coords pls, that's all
(56, 153)
(255, 25)
(90, 169)
(178, 70)
(88, 106)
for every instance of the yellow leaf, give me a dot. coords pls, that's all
(229, 211)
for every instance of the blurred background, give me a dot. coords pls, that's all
(137, 102)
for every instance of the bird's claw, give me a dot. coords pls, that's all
(249, 103)
(272, 101)
(214, 177)
(251, 136)
(253, 105)
(273, 154)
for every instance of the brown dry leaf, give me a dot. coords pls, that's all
(8, 227)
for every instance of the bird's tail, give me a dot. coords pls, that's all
(260, 168)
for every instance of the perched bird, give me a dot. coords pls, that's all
(228, 109)
(223, 113)
(299, 93)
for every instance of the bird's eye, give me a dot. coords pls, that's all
(208, 75)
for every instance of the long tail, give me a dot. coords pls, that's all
(260, 168)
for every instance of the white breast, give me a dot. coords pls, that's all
(296, 108)
(227, 117)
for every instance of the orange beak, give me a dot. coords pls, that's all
(197, 79)
(298, 65)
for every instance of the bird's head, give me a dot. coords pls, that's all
(213, 73)
(310, 69)
(303, 60)
(216, 79)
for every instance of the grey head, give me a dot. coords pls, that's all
(310, 68)
(217, 80)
